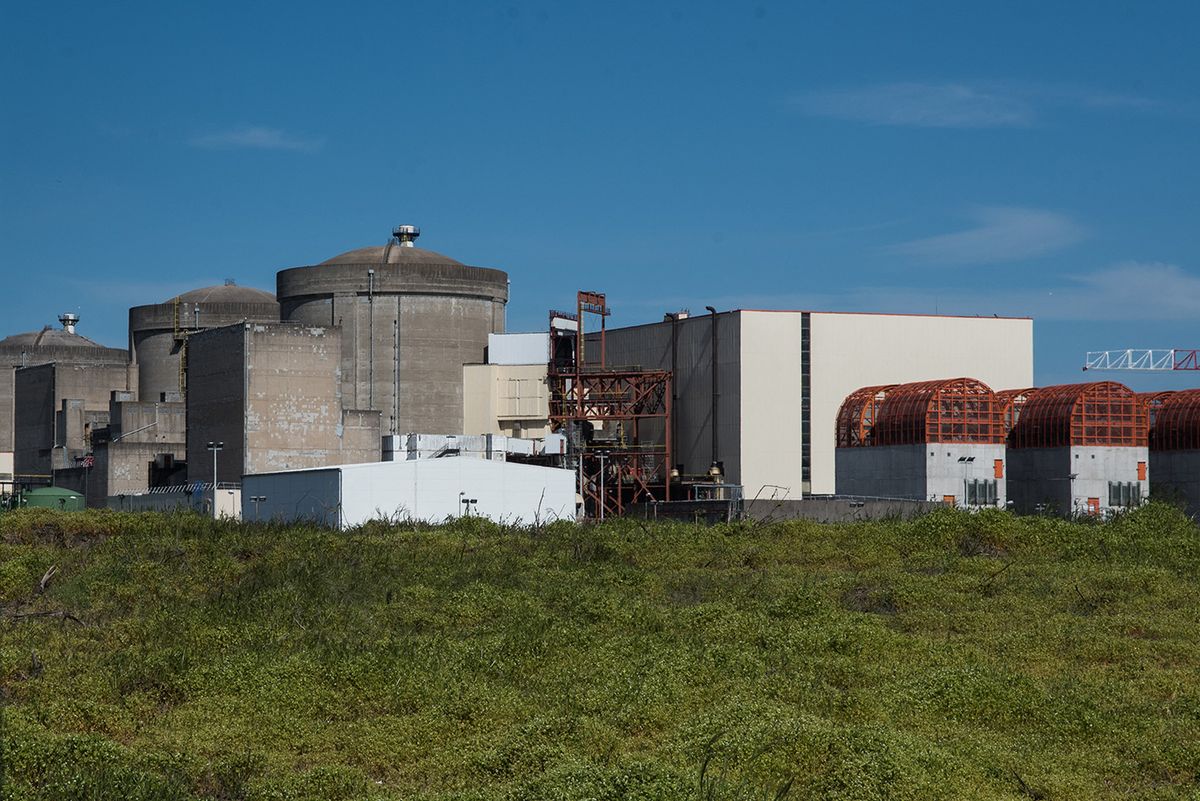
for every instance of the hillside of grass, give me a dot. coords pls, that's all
(955, 656)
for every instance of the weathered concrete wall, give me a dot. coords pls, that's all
(43, 350)
(272, 393)
(411, 326)
(152, 336)
(57, 408)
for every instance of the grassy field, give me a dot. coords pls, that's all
(956, 656)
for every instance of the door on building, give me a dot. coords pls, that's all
(949, 500)
(1093, 506)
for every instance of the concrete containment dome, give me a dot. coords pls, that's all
(158, 331)
(410, 319)
(42, 347)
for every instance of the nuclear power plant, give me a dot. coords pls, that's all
(237, 401)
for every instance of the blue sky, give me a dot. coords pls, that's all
(1011, 158)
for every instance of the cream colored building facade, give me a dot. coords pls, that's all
(782, 375)
(510, 399)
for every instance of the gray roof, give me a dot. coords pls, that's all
(49, 338)
(227, 293)
(391, 254)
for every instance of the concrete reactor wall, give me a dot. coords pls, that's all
(57, 408)
(275, 401)
(407, 330)
(153, 329)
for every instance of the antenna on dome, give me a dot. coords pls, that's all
(69, 321)
(405, 235)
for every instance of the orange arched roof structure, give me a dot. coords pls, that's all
(1154, 401)
(1011, 401)
(1177, 423)
(857, 414)
(960, 410)
(1103, 413)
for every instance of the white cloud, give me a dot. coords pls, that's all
(253, 137)
(1129, 291)
(922, 105)
(958, 105)
(1001, 234)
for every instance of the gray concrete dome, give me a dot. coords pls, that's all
(155, 346)
(43, 347)
(410, 318)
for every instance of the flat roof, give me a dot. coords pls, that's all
(807, 311)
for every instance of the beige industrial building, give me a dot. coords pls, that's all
(271, 394)
(508, 394)
(781, 377)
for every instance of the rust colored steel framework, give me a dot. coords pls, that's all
(1176, 425)
(628, 459)
(1011, 402)
(961, 410)
(1103, 413)
(857, 415)
(1154, 402)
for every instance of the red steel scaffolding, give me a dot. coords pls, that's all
(617, 420)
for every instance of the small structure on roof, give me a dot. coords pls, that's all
(929, 440)
(1079, 449)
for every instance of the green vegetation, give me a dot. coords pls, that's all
(956, 656)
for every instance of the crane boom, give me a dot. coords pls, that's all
(1143, 359)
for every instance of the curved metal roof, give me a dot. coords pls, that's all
(857, 415)
(1176, 425)
(1102, 413)
(962, 410)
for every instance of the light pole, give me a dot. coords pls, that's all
(466, 503)
(256, 500)
(215, 447)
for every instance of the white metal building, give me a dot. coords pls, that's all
(782, 375)
(430, 490)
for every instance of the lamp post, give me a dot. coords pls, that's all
(215, 447)
(466, 503)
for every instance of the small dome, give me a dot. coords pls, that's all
(391, 254)
(49, 338)
(228, 293)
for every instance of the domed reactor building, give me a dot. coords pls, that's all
(86, 372)
(410, 318)
(158, 332)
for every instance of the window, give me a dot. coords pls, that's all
(980, 491)
(1124, 494)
